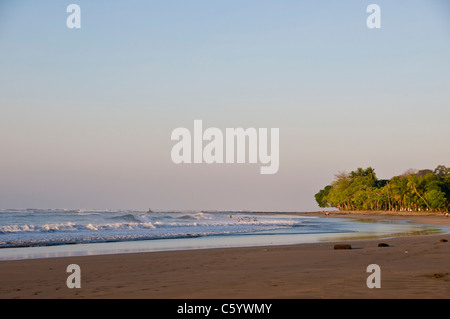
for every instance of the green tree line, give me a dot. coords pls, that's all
(423, 190)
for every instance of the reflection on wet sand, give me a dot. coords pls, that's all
(378, 221)
(426, 230)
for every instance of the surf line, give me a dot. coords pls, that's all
(235, 142)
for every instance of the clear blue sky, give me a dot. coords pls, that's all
(86, 114)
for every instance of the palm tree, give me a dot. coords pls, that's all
(412, 184)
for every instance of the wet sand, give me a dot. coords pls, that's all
(413, 217)
(411, 267)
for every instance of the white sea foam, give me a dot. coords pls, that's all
(43, 227)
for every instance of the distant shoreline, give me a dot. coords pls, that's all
(331, 212)
(436, 218)
(428, 218)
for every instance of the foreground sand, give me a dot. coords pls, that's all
(412, 267)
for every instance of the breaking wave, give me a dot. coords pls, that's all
(33, 227)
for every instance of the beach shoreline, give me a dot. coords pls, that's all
(411, 267)
(425, 218)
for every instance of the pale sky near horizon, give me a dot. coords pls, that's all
(86, 114)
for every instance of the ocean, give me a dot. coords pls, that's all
(39, 233)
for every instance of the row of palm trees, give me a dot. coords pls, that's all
(424, 190)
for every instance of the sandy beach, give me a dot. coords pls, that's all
(411, 267)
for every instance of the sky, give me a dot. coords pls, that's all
(86, 114)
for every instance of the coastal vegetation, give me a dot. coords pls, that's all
(414, 190)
